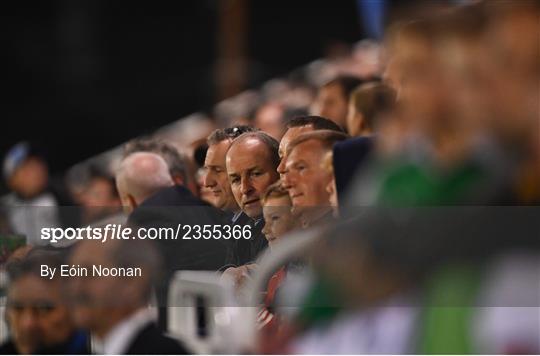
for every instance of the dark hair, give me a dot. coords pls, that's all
(269, 141)
(177, 163)
(95, 172)
(199, 154)
(347, 84)
(229, 133)
(317, 122)
(327, 138)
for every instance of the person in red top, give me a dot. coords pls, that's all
(279, 220)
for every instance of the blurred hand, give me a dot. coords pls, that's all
(240, 275)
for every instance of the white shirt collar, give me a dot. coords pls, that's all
(117, 341)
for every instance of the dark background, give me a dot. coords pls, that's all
(82, 76)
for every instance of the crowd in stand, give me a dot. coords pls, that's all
(415, 180)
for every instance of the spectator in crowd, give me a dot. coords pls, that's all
(370, 104)
(251, 163)
(277, 213)
(115, 308)
(270, 119)
(178, 164)
(139, 176)
(99, 198)
(199, 155)
(216, 178)
(367, 103)
(332, 99)
(297, 126)
(279, 220)
(32, 204)
(143, 179)
(37, 311)
(305, 178)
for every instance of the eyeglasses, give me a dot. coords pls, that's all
(235, 131)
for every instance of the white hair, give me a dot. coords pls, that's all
(141, 174)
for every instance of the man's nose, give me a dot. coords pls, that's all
(28, 320)
(246, 186)
(281, 167)
(286, 181)
(266, 229)
(208, 179)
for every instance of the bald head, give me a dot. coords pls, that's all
(139, 176)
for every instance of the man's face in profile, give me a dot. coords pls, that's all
(305, 179)
(290, 135)
(250, 171)
(333, 104)
(37, 313)
(216, 178)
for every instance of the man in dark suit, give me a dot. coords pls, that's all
(157, 204)
(217, 180)
(251, 161)
(114, 308)
(144, 183)
(190, 250)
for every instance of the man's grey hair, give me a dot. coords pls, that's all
(177, 162)
(142, 174)
(271, 143)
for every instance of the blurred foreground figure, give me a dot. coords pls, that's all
(424, 269)
(514, 113)
(38, 311)
(115, 307)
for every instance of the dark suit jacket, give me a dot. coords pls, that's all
(151, 341)
(244, 251)
(349, 155)
(168, 208)
(77, 344)
(171, 207)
